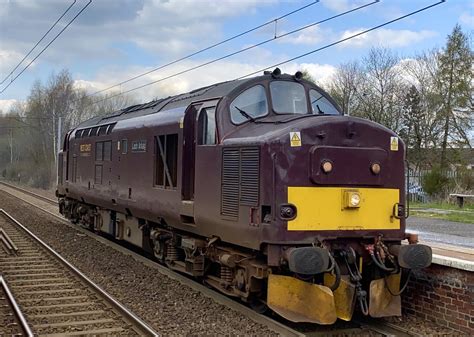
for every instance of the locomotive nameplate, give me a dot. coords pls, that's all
(139, 146)
(319, 208)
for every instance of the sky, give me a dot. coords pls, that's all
(114, 40)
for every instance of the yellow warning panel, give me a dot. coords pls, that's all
(393, 143)
(295, 139)
(322, 208)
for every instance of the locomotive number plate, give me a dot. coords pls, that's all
(86, 147)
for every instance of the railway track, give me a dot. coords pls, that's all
(55, 297)
(361, 327)
(33, 194)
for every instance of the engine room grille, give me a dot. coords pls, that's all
(240, 179)
(249, 171)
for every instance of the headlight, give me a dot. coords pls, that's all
(355, 200)
(352, 199)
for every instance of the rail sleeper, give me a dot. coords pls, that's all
(54, 296)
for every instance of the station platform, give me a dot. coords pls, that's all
(452, 242)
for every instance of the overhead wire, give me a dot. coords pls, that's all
(37, 43)
(205, 49)
(46, 47)
(345, 39)
(236, 52)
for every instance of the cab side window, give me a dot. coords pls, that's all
(207, 126)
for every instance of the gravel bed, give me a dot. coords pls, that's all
(167, 305)
(422, 327)
(51, 193)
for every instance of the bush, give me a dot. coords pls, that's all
(465, 180)
(436, 183)
(39, 176)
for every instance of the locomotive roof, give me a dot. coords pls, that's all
(162, 104)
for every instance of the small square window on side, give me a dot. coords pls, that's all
(124, 146)
(107, 150)
(99, 151)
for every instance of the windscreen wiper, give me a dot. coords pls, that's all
(245, 114)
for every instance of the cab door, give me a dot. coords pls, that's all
(199, 129)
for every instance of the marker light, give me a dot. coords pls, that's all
(375, 168)
(326, 166)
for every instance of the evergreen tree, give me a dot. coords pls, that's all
(455, 76)
(413, 119)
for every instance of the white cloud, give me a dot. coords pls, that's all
(6, 104)
(218, 72)
(387, 37)
(321, 73)
(341, 5)
(467, 19)
(8, 60)
(107, 29)
(310, 36)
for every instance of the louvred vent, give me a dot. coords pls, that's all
(249, 176)
(240, 179)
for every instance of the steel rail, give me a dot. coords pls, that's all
(129, 316)
(33, 194)
(8, 242)
(386, 329)
(24, 324)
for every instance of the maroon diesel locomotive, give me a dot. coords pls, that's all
(259, 187)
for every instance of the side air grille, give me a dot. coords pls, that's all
(240, 179)
(230, 182)
(249, 174)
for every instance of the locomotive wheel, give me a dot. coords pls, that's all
(258, 306)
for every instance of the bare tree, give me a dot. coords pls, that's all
(422, 73)
(346, 86)
(381, 88)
